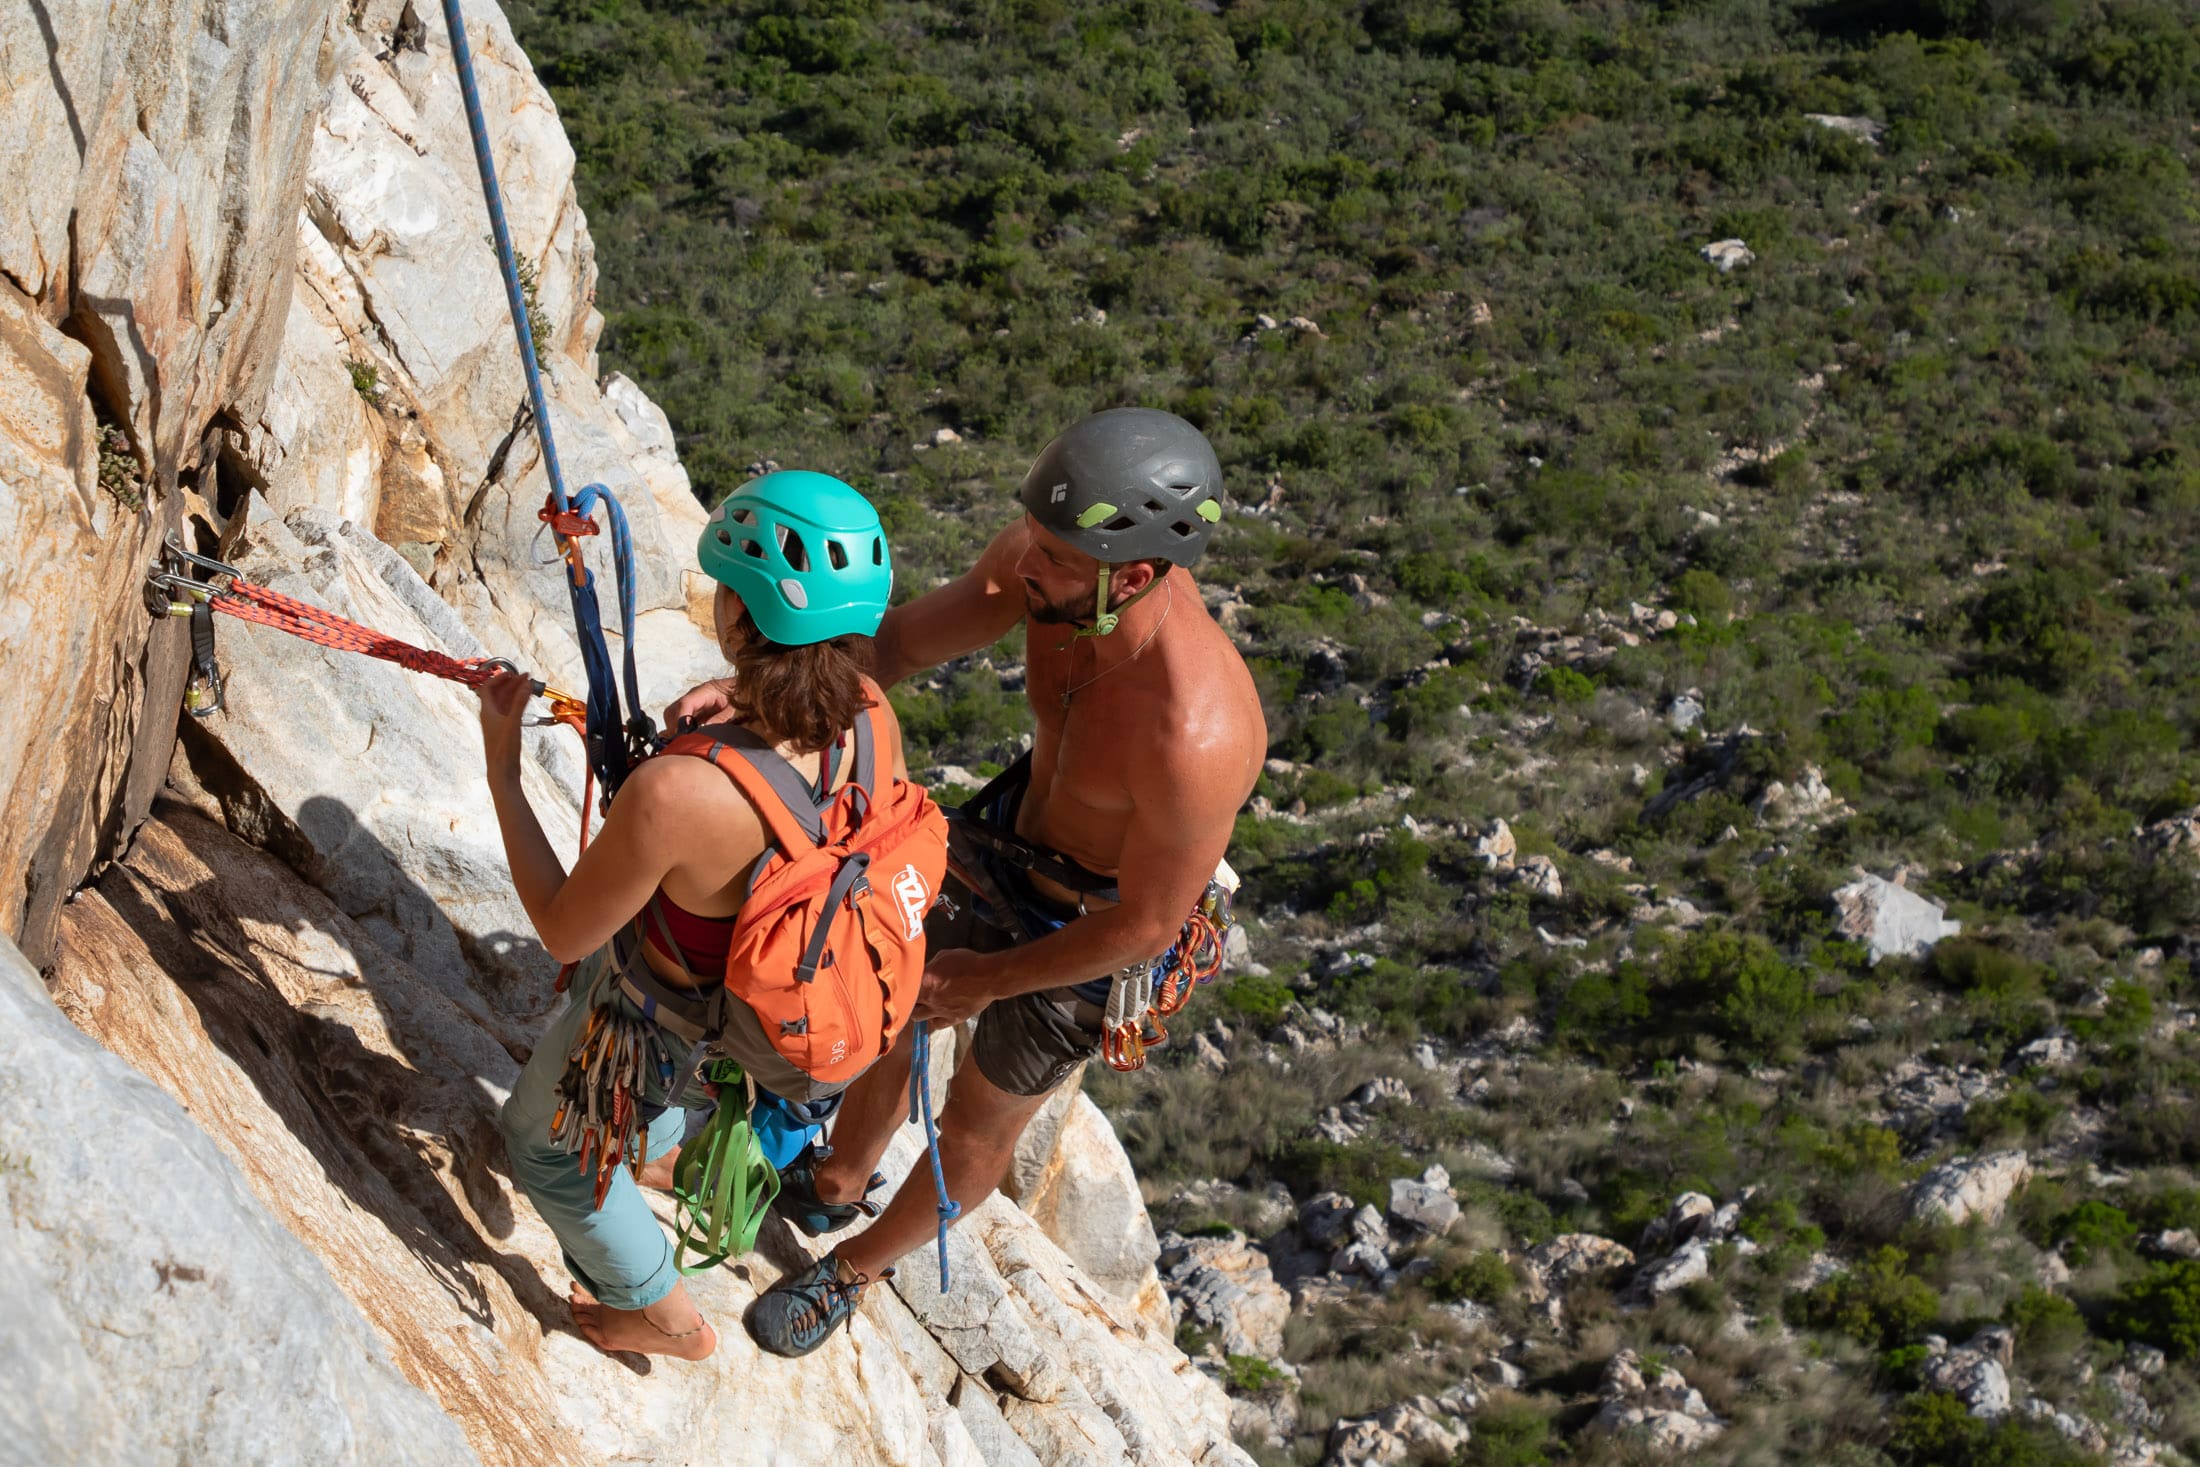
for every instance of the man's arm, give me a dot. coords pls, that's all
(974, 610)
(1178, 832)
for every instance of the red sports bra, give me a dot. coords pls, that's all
(700, 943)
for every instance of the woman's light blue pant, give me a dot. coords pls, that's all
(618, 1252)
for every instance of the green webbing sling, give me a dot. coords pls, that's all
(722, 1186)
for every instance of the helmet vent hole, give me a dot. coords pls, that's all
(878, 551)
(790, 545)
(752, 549)
(1153, 506)
(743, 517)
(724, 538)
(1120, 522)
(837, 554)
(1185, 528)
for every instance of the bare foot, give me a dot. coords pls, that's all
(658, 1174)
(671, 1326)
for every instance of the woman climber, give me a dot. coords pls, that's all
(648, 914)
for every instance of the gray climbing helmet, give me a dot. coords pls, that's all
(1128, 484)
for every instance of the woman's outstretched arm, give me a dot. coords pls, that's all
(639, 842)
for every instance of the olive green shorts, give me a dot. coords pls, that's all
(1028, 1044)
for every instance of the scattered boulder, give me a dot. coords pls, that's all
(1684, 713)
(1970, 1187)
(1807, 802)
(1891, 921)
(2175, 1243)
(1863, 129)
(1502, 1373)
(1326, 1220)
(1539, 874)
(1424, 1204)
(1571, 1257)
(1689, 1217)
(1690, 1263)
(1224, 1285)
(1383, 1090)
(1496, 846)
(1399, 1432)
(1728, 254)
(1975, 1374)
(1662, 1411)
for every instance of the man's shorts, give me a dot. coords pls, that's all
(1028, 1044)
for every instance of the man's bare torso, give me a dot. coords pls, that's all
(1086, 759)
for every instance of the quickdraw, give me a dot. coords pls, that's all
(599, 1114)
(1144, 994)
(170, 591)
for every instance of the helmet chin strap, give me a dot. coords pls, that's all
(1105, 621)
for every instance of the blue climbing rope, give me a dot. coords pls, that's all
(920, 1106)
(614, 742)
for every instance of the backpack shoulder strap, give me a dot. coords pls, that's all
(791, 813)
(865, 774)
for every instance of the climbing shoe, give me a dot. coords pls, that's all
(797, 1314)
(799, 1203)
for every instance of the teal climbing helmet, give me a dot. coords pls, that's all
(804, 552)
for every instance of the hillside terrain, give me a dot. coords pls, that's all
(1689, 460)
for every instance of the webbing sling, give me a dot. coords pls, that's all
(723, 1184)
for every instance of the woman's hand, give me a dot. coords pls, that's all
(699, 705)
(503, 707)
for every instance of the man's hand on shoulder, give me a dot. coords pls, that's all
(704, 703)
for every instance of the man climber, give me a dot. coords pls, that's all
(1097, 844)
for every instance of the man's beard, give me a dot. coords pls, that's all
(1053, 613)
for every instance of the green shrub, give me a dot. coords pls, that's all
(2048, 1326)
(1704, 596)
(1480, 1278)
(1256, 996)
(1877, 1303)
(1507, 1434)
(2094, 1229)
(2161, 1307)
(1565, 685)
(1933, 1429)
(1250, 1375)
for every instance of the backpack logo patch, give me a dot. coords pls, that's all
(914, 899)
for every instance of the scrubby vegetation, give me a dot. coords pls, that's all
(1875, 550)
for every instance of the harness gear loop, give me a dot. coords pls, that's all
(920, 1106)
(599, 1114)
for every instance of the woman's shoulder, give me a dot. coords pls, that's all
(690, 789)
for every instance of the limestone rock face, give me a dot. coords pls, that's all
(359, 1102)
(154, 1305)
(281, 301)
(1072, 1178)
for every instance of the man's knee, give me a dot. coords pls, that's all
(980, 1113)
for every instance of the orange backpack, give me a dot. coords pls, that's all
(828, 949)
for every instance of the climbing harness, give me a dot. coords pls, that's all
(920, 1110)
(723, 1186)
(599, 1115)
(1143, 994)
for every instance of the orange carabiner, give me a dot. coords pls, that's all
(1123, 1048)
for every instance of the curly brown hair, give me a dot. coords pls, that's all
(805, 696)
